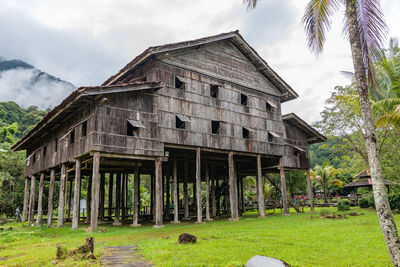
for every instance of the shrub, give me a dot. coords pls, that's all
(372, 201)
(364, 203)
(394, 201)
(324, 212)
(343, 204)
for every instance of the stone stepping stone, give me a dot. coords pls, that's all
(123, 256)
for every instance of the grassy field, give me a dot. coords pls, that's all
(299, 239)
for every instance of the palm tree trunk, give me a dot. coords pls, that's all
(325, 197)
(384, 213)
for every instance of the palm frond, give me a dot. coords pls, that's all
(373, 30)
(251, 4)
(317, 21)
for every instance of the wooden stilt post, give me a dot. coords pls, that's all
(207, 174)
(70, 199)
(32, 199)
(66, 192)
(40, 201)
(167, 191)
(110, 194)
(310, 192)
(77, 189)
(176, 192)
(232, 188)
(152, 197)
(198, 188)
(185, 192)
(102, 195)
(242, 193)
(159, 193)
(135, 201)
(61, 197)
(283, 189)
(260, 189)
(89, 200)
(95, 192)
(25, 211)
(123, 177)
(117, 199)
(213, 201)
(50, 199)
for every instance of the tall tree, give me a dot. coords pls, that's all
(365, 28)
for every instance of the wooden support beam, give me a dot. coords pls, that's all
(70, 199)
(40, 201)
(213, 200)
(152, 196)
(102, 195)
(260, 189)
(50, 199)
(123, 212)
(283, 189)
(89, 200)
(117, 200)
(77, 189)
(310, 192)
(136, 200)
(110, 193)
(159, 194)
(61, 200)
(176, 192)
(185, 191)
(232, 188)
(95, 192)
(207, 174)
(25, 211)
(198, 187)
(32, 199)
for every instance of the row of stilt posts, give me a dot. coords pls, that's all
(96, 193)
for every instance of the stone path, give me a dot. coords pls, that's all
(123, 256)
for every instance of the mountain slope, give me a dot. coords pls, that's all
(26, 85)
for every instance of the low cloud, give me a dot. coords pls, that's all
(29, 87)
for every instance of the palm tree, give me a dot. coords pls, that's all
(365, 29)
(325, 176)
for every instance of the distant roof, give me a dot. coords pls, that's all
(287, 92)
(366, 182)
(363, 174)
(75, 100)
(313, 136)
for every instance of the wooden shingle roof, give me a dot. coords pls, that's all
(287, 92)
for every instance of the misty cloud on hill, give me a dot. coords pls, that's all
(29, 86)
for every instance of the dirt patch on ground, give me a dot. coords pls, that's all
(123, 256)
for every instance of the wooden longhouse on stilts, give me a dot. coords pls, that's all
(207, 110)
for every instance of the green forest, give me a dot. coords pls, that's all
(342, 156)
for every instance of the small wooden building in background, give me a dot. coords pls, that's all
(202, 111)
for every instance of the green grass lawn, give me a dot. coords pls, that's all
(299, 239)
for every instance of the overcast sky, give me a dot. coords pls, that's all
(84, 42)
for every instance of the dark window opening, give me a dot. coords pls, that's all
(179, 84)
(44, 151)
(84, 128)
(55, 145)
(296, 153)
(243, 99)
(34, 157)
(245, 133)
(215, 127)
(214, 91)
(268, 106)
(132, 130)
(179, 124)
(72, 136)
(270, 138)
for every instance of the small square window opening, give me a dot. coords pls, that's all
(214, 91)
(179, 84)
(245, 133)
(243, 99)
(179, 124)
(72, 136)
(84, 128)
(215, 127)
